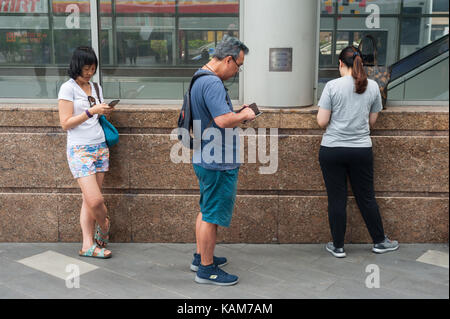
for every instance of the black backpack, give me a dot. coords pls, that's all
(185, 120)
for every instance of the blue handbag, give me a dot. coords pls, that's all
(111, 133)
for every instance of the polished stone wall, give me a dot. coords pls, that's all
(151, 199)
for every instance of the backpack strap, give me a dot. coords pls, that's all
(97, 90)
(194, 78)
(197, 76)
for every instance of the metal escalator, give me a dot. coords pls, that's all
(422, 75)
(419, 58)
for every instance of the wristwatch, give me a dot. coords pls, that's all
(88, 114)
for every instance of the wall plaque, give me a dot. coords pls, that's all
(280, 60)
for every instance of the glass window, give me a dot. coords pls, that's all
(326, 42)
(24, 40)
(24, 33)
(141, 7)
(151, 49)
(440, 6)
(148, 49)
(399, 27)
(71, 28)
(327, 7)
(418, 32)
(36, 44)
(425, 7)
(352, 30)
(19, 7)
(359, 7)
(208, 6)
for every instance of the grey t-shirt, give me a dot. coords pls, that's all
(349, 123)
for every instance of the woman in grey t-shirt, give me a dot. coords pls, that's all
(348, 107)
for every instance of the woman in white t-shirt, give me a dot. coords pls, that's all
(87, 153)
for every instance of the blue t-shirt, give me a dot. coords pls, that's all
(219, 147)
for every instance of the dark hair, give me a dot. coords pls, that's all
(352, 58)
(81, 56)
(229, 46)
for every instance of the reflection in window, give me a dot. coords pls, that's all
(143, 7)
(71, 28)
(152, 48)
(359, 7)
(36, 44)
(18, 7)
(199, 37)
(327, 6)
(144, 41)
(208, 6)
(418, 32)
(404, 26)
(24, 33)
(440, 6)
(26, 42)
(326, 45)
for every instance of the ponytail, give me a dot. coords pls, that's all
(351, 57)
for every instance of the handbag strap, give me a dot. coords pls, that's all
(97, 90)
(374, 45)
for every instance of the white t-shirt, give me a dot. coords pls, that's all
(89, 132)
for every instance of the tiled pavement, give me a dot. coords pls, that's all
(265, 271)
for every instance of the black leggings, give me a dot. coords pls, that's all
(357, 163)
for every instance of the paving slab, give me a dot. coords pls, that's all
(57, 265)
(434, 257)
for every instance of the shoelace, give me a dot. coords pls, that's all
(220, 272)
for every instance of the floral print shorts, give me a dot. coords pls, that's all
(86, 160)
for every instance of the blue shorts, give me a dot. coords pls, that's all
(218, 191)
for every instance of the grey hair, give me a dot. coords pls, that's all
(229, 46)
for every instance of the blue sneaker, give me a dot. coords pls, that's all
(213, 275)
(218, 261)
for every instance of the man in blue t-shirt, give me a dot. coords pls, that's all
(216, 158)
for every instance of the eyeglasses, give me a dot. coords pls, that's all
(240, 67)
(91, 101)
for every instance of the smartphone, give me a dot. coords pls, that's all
(113, 103)
(240, 110)
(255, 109)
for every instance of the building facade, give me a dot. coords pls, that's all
(148, 52)
(149, 49)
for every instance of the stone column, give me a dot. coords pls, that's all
(269, 24)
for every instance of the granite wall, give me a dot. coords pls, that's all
(151, 199)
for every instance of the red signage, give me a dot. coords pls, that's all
(208, 6)
(124, 6)
(25, 37)
(16, 6)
